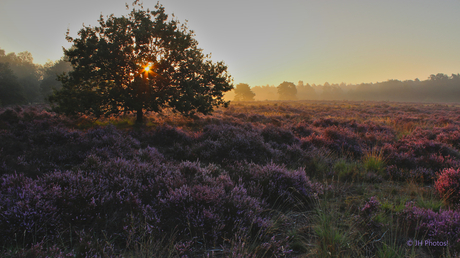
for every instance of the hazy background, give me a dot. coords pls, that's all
(268, 42)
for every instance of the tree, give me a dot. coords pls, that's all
(305, 91)
(26, 72)
(11, 92)
(243, 92)
(287, 91)
(51, 70)
(142, 62)
(266, 92)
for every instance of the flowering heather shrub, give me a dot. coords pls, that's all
(11, 116)
(208, 204)
(163, 136)
(436, 226)
(192, 209)
(108, 142)
(423, 175)
(302, 129)
(25, 215)
(278, 135)
(258, 118)
(37, 147)
(220, 143)
(171, 141)
(277, 185)
(122, 199)
(339, 140)
(291, 155)
(375, 135)
(410, 153)
(149, 155)
(369, 213)
(325, 122)
(111, 190)
(451, 136)
(448, 184)
(370, 207)
(395, 173)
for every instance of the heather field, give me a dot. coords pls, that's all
(257, 179)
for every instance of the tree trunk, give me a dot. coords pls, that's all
(140, 116)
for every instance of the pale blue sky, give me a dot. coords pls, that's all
(268, 42)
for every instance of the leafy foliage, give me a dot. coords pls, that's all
(11, 92)
(142, 62)
(243, 92)
(25, 88)
(287, 91)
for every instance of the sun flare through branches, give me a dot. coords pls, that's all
(147, 68)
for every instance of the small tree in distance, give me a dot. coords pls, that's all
(287, 91)
(142, 62)
(243, 92)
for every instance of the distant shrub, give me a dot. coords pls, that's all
(448, 184)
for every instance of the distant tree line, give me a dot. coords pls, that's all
(23, 82)
(437, 88)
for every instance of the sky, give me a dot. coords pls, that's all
(267, 42)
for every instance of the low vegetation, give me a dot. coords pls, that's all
(257, 179)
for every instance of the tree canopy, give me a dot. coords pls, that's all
(11, 92)
(243, 92)
(27, 76)
(287, 91)
(137, 63)
(51, 71)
